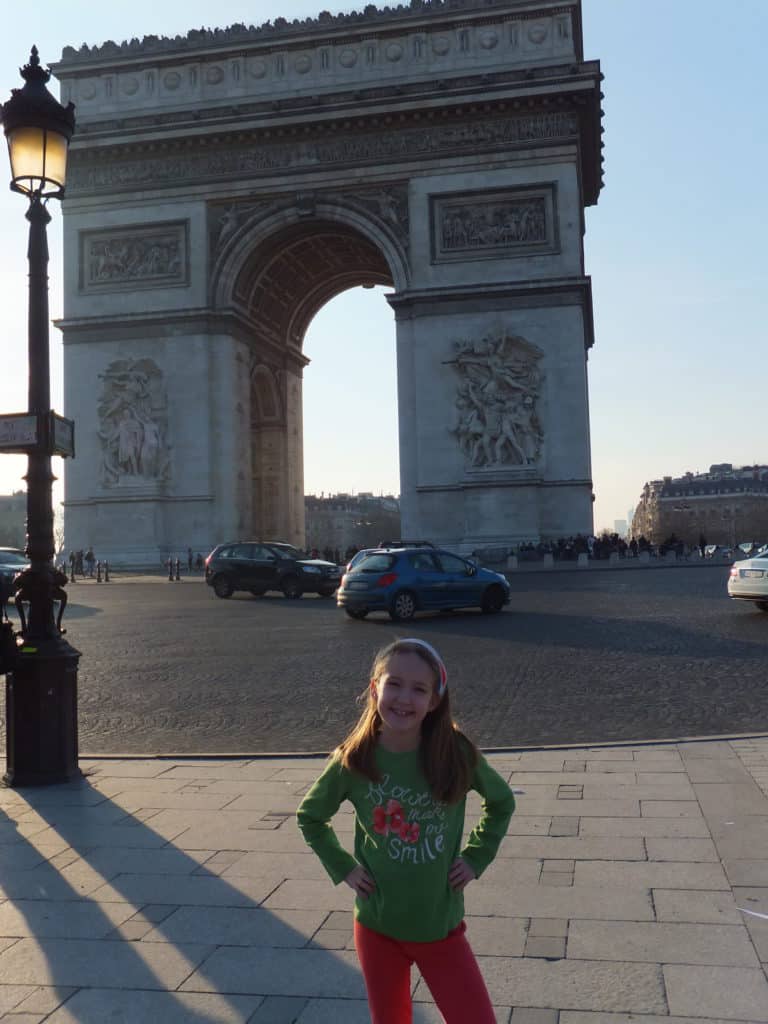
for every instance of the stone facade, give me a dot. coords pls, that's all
(727, 505)
(343, 521)
(224, 185)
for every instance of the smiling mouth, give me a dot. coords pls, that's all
(401, 714)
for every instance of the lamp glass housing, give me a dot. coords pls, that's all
(38, 161)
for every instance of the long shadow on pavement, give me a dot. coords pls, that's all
(110, 917)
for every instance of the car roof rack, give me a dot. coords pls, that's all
(405, 544)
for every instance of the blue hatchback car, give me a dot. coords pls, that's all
(403, 581)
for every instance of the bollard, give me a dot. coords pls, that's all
(106, 572)
(511, 562)
(72, 573)
(582, 561)
(178, 570)
(169, 563)
(549, 560)
(98, 571)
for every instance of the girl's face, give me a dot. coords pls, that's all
(405, 694)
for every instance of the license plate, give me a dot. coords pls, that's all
(357, 585)
(752, 574)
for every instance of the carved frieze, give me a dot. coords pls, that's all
(368, 17)
(144, 256)
(283, 67)
(133, 424)
(92, 175)
(498, 424)
(490, 225)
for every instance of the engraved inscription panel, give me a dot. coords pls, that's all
(144, 256)
(489, 225)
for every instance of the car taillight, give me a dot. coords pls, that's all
(387, 579)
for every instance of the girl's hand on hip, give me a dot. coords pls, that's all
(359, 880)
(459, 874)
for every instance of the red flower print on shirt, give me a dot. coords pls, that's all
(380, 821)
(409, 833)
(389, 818)
(396, 816)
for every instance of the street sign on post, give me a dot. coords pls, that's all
(62, 436)
(19, 432)
(25, 433)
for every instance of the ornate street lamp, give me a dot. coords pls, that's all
(41, 686)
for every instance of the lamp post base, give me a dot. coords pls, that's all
(41, 708)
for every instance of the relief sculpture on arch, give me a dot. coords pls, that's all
(133, 416)
(498, 423)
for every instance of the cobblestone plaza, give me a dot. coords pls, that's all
(578, 657)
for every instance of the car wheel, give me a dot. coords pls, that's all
(327, 593)
(493, 600)
(222, 586)
(356, 613)
(403, 606)
(256, 592)
(291, 587)
(762, 605)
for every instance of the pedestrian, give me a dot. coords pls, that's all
(90, 561)
(406, 768)
(190, 559)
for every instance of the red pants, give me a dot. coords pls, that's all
(448, 966)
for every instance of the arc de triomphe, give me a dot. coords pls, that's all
(225, 184)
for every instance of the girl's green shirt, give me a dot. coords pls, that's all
(406, 841)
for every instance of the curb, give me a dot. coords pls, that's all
(305, 755)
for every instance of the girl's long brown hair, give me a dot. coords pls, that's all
(448, 758)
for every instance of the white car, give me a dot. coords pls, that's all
(748, 581)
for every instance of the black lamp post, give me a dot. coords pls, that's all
(41, 688)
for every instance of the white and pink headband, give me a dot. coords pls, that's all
(442, 671)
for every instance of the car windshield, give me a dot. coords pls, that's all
(12, 558)
(376, 563)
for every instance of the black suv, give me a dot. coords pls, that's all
(260, 566)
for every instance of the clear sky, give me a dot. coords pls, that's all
(675, 249)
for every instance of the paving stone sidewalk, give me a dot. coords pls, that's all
(630, 888)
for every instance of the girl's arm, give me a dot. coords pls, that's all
(498, 807)
(314, 819)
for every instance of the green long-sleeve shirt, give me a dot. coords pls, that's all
(406, 841)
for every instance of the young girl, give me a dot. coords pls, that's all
(406, 768)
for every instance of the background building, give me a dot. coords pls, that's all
(13, 516)
(346, 520)
(727, 505)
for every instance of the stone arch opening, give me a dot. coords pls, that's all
(292, 275)
(281, 283)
